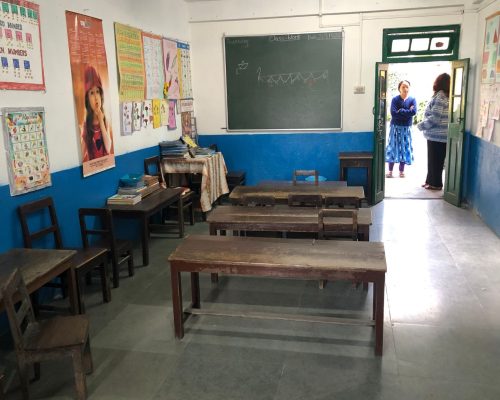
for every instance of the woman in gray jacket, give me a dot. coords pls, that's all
(435, 128)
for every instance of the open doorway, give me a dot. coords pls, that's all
(421, 77)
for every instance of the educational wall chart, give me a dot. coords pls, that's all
(172, 122)
(171, 69)
(490, 73)
(21, 46)
(186, 91)
(488, 124)
(126, 111)
(129, 57)
(153, 64)
(156, 104)
(89, 71)
(164, 112)
(26, 148)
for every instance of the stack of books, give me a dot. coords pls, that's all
(173, 148)
(127, 199)
(145, 187)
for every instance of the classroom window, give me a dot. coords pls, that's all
(430, 43)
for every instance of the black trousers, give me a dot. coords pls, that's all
(436, 153)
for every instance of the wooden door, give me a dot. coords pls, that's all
(456, 131)
(380, 112)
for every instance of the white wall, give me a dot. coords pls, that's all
(162, 17)
(210, 20)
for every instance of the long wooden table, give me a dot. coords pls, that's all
(280, 193)
(279, 258)
(285, 184)
(147, 207)
(38, 267)
(277, 219)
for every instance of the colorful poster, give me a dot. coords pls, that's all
(21, 46)
(186, 123)
(170, 63)
(26, 147)
(89, 71)
(153, 64)
(172, 122)
(129, 58)
(490, 72)
(147, 113)
(126, 118)
(185, 88)
(137, 115)
(164, 112)
(187, 105)
(156, 113)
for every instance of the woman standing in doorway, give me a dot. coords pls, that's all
(95, 137)
(435, 128)
(400, 149)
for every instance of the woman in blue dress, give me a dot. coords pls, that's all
(400, 149)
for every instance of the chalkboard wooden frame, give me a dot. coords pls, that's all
(284, 82)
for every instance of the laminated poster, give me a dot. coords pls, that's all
(21, 46)
(490, 72)
(164, 112)
(170, 63)
(136, 116)
(153, 64)
(127, 118)
(129, 57)
(172, 122)
(26, 148)
(186, 91)
(147, 113)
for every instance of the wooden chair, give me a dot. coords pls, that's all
(341, 202)
(305, 172)
(83, 262)
(152, 166)
(101, 234)
(45, 340)
(258, 201)
(305, 200)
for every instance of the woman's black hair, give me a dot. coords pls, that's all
(404, 80)
(89, 123)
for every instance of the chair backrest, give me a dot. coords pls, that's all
(214, 147)
(152, 166)
(96, 228)
(305, 200)
(341, 202)
(22, 318)
(338, 222)
(45, 213)
(305, 172)
(258, 201)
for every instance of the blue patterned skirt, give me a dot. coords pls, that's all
(399, 149)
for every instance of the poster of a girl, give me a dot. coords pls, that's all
(96, 137)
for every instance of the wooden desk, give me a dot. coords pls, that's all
(38, 267)
(277, 219)
(281, 193)
(147, 207)
(357, 160)
(213, 170)
(286, 184)
(299, 259)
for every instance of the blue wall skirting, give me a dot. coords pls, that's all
(70, 192)
(275, 156)
(482, 186)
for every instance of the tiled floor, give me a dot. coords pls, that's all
(441, 338)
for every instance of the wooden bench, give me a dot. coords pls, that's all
(299, 259)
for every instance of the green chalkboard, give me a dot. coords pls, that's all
(284, 82)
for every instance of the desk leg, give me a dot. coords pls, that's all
(75, 299)
(175, 278)
(180, 215)
(195, 290)
(378, 293)
(213, 231)
(145, 240)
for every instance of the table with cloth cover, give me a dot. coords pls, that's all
(213, 170)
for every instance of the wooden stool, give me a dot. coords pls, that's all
(361, 159)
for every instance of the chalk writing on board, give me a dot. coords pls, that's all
(323, 36)
(309, 78)
(243, 65)
(242, 42)
(283, 38)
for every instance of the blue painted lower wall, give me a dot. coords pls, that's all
(70, 191)
(482, 186)
(275, 156)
